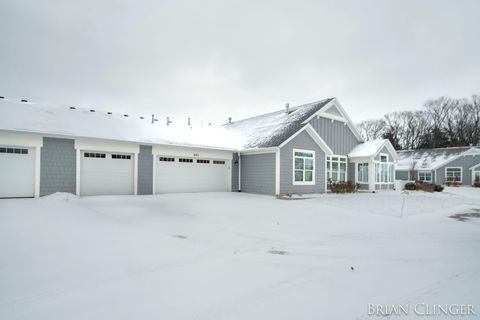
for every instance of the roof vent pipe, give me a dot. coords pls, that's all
(24, 100)
(287, 108)
(2, 97)
(229, 119)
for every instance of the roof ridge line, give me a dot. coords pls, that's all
(280, 110)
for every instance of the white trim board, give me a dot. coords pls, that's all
(277, 171)
(475, 166)
(314, 135)
(303, 183)
(259, 150)
(390, 149)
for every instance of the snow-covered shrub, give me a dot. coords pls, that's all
(343, 186)
(410, 186)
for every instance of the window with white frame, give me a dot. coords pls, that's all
(384, 171)
(362, 173)
(303, 166)
(476, 175)
(425, 176)
(337, 168)
(453, 174)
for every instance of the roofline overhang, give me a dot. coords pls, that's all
(149, 143)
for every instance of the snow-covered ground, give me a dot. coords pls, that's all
(235, 255)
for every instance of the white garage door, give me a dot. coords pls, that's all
(17, 172)
(177, 174)
(105, 173)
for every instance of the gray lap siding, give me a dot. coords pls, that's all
(301, 141)
(401, 175)
(257, 173)
(235, 166)
(57, 166)
(465, 162)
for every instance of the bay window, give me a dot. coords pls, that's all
(303, 167)
(337, 168)
(384, 170)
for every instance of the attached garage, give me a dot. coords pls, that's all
(106, 173)
(17, 171)
(190, 174)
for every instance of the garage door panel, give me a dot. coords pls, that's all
(106, 176)
(17, 172)
(190, 177)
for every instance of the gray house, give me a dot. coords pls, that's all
(297, 150)
(460, 164)
(46, 149)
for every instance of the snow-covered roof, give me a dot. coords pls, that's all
(270, 130)
(368, 148)
(80, 122)
(428, 159)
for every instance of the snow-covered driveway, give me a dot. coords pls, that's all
(235, 255)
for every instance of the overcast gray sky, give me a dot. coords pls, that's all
(214, 59)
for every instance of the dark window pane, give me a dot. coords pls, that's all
(298, 175)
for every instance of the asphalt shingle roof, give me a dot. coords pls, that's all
(271, 129)
(427, 159)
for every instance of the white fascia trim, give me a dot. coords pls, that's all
(259, 150)
(18, 139)
(349, 122)
(106, 146)
(475, 166)
(472, 152)
(140, 142)
(390, 149)
(331, 116)
(315, 136)
(277, 171)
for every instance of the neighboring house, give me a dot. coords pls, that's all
(46, 149)
(460, 164)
